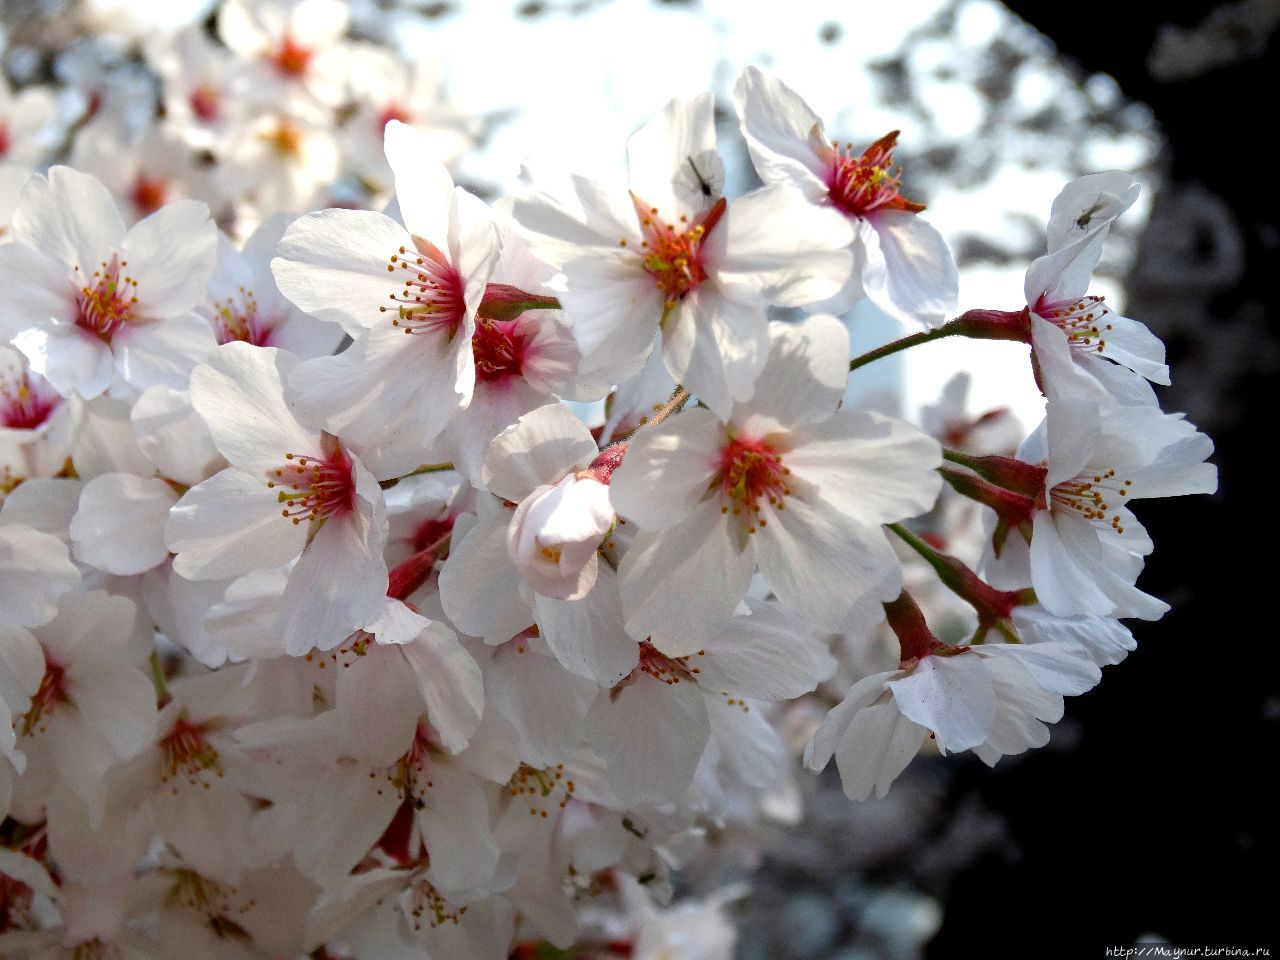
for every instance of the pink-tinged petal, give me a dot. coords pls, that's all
(229, 525)
(680, 458)
(663, 155)
(35, 570)
(651, 736)
(424, 188)
(679, 585)
(766, 656)
(541, 448)
(920, 284)
(774, 246)
(554, 534)
(804, 378)
(715, 348)
(545, 703)
(822, 563)
(171, 254)
(450, 683)
(1088, 205)
(69, 216)
(587, 636)
(339, 584)
(476, 582)
(72, 360)
(334, 265)
(1065, 557)
(119, 527)
(614, 309)
(44, 504)
(38, 290)
(163, 352)
(239, 392)
(780, 130)
(952, 696)
(455, 826)
(869, 467)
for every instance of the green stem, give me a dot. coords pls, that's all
(906, 343)
(963, 459)
(158, 678)
(931, 556)
(425, 468)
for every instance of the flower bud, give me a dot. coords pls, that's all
(553, 536)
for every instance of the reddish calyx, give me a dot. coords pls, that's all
(1015, 490)
(859, 184)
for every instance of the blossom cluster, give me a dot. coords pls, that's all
(334, 623)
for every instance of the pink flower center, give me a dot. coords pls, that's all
(1088, 496)
(1084, 321)
(431, 298)
(751, 471)
(187, 751)
(670, 670)
(315, 488)
(673, 252)
(107, 301)
(497, 349)
(291, 58)
(51, 695)
(26, 403)
(861, 183)
(205, 103)
(242, 321)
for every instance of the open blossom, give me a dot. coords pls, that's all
(1103, 344)
(901, 263)
(676, 259)
(91, 304)
(407, 294)
(291, 493)
(789, 483)
(1086, 546)
(992, 698)
(243, 302)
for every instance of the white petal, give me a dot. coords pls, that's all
(119, 526)
(878, 744)
(677, 586)
(587, 636)
(541, 448)
(920, 284)
(424, 188)
(239, 393)
(766, 656)
(804, 379)
(70, 216)
(667, 469)
(171, 254)
(780, 128)
(775, 246)
(229, 525)
(163, 352)
(450, 682)
(651, 736)
(869, 467)
(661, 151)
(34, 571)
(333, 265)
(952, 696)
(476, 581)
